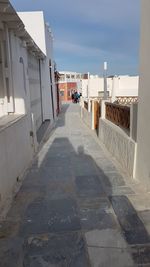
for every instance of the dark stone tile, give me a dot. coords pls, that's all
(31, 188)
(132, 227)
(55, 250)
(83, 167)
(56, 162)
(97, 219)
(141, 255)
(57, 187)
(11, 252)
(95, 203)
(51, 216)
(89, 186)
(60, 172)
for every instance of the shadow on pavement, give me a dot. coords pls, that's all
(61, 118)
(61, 201)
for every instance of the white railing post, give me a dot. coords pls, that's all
(89, 105)
(103, 109)
(92, 114)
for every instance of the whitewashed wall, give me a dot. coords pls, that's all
(143, 133)
(19, 74)
(49, 57)
(15, 156)
(16, 147)
(95, 85)
(84, 87)
(116, 86)
(35, 90)
(127, 86)
(40, 32)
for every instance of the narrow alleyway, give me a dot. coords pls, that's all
(74, 208)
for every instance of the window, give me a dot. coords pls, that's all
(62, 93)
(101, 94)
(69, 93)
(62, 77)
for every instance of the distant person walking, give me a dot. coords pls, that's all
(76, 97)
(72, 96)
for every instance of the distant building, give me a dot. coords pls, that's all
(117, 86)
(69, 82)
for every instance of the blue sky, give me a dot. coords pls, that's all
(89, 32)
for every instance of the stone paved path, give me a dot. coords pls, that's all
(74, 208)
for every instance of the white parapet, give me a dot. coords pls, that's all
(119, 144)
(103, 108)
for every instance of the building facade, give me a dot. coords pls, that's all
(25, 97)
(117, 86)
(70, 82)
(41, 33)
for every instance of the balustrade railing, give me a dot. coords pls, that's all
(118, 114)
(126, 100)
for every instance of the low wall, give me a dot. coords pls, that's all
(86, 117)
(15, 156)
(119, 144)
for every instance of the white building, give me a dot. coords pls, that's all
(71, 77)
(117, 86)
(143, 132)
(41, 34)
(25, 94)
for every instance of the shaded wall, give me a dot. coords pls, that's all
(143, 133)
(16, 154)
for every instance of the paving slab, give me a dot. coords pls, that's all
(102, 257)
(11, 252)
(133, 228)
(60, 215)
(89, 186)
(141, 255)
(106, 238)
(55, 250)
(97, 219)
